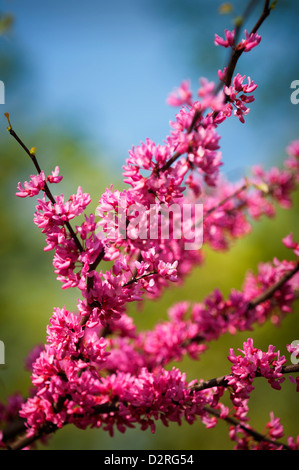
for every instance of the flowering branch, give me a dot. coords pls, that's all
(237, 51)
(223, 381)
(258, 437)
(239, 48)
(95, 368)
(272, 289)
(45, 186)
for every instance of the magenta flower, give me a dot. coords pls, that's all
(290, 243)
(55, 177)
(251, 40)
(293, 148)
(33, 187)
(97, 369)
(229, 40)
(181, 95)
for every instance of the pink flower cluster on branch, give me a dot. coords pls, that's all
(96, 369)
(246, 367)
(71, 379)
(251, 40)
(190, 328)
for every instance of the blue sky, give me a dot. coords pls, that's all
(106, 68)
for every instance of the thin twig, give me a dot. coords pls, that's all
(268, 293)
(250, 431)
(235, 56)
(136, 279)
(237, 52)
(10, 431)
(46, 187)
(46, 429)
(223, 381)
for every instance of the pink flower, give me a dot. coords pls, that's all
(237, 99)
(168, 270)
(222, 74)
(250, 41)
(275, 427)
(55, 178)
(181, 95)
(228, 41)
(293, 148)
(290, 243)
(33, 187)
(64, 332)
(254, 361)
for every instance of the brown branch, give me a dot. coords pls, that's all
(48, 193)
(223, 381)
(46, 187)
(136, 279)
(250, 431)
(227, 199)
(235, 56)
(237, 52)
(106, 408)
(19, 427)
(268, 293)
(265, 13)
(92, 267)
(24, 441)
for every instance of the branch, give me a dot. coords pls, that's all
(24, 441)
(223, 381)
(15, 429)
(251, 432)
(46, 187)
(106, 408)
(136, 279)
(268, 293)
(48, 193)
(92, 267)
(236, 54)
(225, 200)
(263, 297)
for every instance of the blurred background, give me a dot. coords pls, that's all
(84, 82)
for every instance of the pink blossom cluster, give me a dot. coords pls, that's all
(251, 40)
(96, 369)
(118, 401)
(231, 207)
(80, 371)
(246, 367)
(269, 440)
(147, 264)
(190, 328)
(236, 99)
(37, 183)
